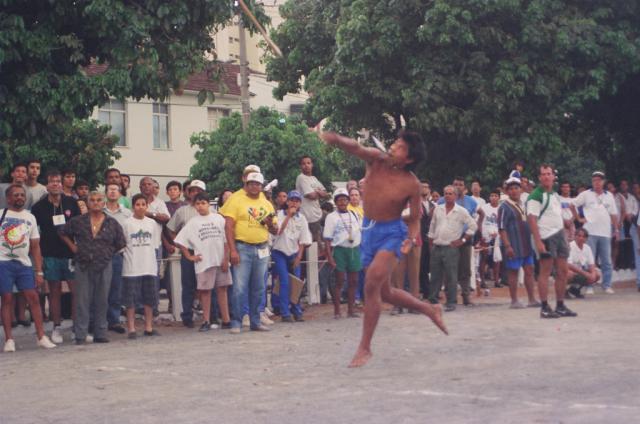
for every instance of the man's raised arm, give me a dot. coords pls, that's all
(351, 146)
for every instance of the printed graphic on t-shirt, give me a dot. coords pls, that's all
(15, 234)
(141, 238)
(208, 231)
(256, 215)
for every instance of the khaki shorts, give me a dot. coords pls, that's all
(556, 246)
(213, 277)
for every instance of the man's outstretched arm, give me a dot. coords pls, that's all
(351, 146)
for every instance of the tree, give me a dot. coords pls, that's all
(273, 141)
(485, 82)
(150, 47)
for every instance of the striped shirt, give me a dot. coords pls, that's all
(511, 218)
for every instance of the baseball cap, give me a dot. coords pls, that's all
(256, 177)
(198, 184)
(340, 192)
(512, 180)
(293, 194)
(251, 168)
(598, 174)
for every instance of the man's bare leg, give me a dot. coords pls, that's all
(31, 297)
(337, 293)
(55, 296)
(512, 276)
(377, 281)
(7, 314)
(528, 284)
(561, 278)
(351, 294)
(543, 278)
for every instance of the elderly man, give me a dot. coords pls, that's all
(188, 273)
(452, 228)
(600, 216)
(94, 238)
(249, 219)
(20, 243)
(312, 191)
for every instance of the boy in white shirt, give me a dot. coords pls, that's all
(342, 231)
(489, 231)
(582, 265)
(205, 235)
(288, 248)
(140, 266)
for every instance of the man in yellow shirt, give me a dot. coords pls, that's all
(249, 219)
(355, 204)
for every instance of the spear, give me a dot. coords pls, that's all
(270, 42)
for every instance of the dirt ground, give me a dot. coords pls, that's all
(497, 366)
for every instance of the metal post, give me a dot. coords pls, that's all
(244, 75)
(313, 283)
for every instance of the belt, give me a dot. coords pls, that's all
(252, 244)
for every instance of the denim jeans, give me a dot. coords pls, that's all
(636, 245)
(601, 249)
(113, 313)
(248, 283)
(188, 272)
(282, 263)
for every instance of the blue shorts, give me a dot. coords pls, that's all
(57, 269)
(14, 272)
(517, 263)
(377, 236)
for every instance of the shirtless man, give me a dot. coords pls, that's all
(384, 235)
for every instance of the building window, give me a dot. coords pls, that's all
(160, 126)
(230, 40)
(112, 113)
(215, 114)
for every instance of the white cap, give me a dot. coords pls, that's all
(255, 176)
(513, 180)
(340, 192)
(251, 168)
(198, 184)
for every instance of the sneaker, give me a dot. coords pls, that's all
(188, 324)
(205, 326)
(214, 326)
(153, 332)
(117, 328)
(265, 320)
(261, 327)
(563, 311)
(100, 340)
(56, 335)
(575, 291)
(589, 290)
(548, 313)
(609, 290)
(449, 307)
(235, 330)
(245, 321)
(88, 339)
(298, 318)
(268, 312)
(9, 346)
(45, 343)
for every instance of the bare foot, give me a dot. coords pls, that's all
(361, 358)
(435, 313)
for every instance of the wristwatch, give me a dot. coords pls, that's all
(464, 239)
(40, 273)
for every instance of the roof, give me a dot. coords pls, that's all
(196, 82)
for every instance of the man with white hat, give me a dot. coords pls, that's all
(249, 220)
(600, 215)
(175, 224)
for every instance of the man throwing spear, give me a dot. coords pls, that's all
(390, 185)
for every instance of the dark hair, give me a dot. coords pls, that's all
(201, 197)
(545, 166)
(327, 206)
(110, 170)
(476, 180)
(221, 195)
(125, 175)
(416, 148)
(518, 162)
(30, 161)
(19, 165)
(138, 197)
(106, 186)
(304, 157)
(496, 191)
(584, 231)
(459, 178)
(53, 173)
(173, 183)
(82, 183)
(186, 184)
(9, 190)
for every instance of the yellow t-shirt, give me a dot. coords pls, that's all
(357, 209)
(247, 214)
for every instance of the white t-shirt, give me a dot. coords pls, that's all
(490, 221)
(204, 234)
(630, 204)
(306, 184)
(548, 204)
(36, 192)
(480, 201)
(16, 232)
(140, 253)
(340, 227)
(580, 257)
(296, 233)
(597, 209)
(158, 206)
(566, 203)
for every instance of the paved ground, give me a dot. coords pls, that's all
(498, 366)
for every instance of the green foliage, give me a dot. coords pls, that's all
(151, 47)
(273, 141)
(485, 82)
